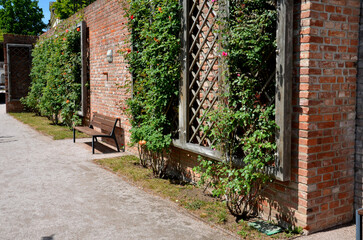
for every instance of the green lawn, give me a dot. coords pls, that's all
(45, 126)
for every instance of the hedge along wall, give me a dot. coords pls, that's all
(320, 193)
(55, 90)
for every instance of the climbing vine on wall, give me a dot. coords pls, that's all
(243, 122)
(154, 62)
(55, 89)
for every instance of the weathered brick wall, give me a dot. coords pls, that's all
(107, 31)
(359, 125)
(320, 193)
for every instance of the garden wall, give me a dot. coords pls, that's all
(320, 193)
(21, 64)
(107, 31)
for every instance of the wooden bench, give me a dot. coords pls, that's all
(105, 123)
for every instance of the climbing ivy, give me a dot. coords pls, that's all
(243, 122)
(155, 65)
(55, 89)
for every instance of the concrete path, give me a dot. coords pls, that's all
(52, 190)
(346, 232)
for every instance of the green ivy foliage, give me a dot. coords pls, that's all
(154, 62)
(56, 77)
(244, 120)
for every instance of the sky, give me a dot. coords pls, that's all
(44, 4)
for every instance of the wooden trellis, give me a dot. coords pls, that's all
(202, 68)
(199, 88)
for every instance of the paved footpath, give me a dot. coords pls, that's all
(52, 190)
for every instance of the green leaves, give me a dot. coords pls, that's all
(154, 62)
(55, 89)
(66, 8)
(243, 122)
(21, 17)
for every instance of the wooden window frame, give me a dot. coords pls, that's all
(84, 69)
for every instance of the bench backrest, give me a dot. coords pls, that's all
(104, 122)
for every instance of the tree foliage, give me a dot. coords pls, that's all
(21, 17)
(66, 8)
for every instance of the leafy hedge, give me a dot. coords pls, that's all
(56, 77)
(155, 65)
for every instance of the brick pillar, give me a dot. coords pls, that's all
(107, 28)
(324, 106)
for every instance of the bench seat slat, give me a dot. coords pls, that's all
(103, 123)
(88, 131)
(105, 128)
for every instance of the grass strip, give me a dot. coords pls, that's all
(188, 196)
(45, 126)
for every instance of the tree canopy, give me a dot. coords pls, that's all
(21, 17)
(66, 8)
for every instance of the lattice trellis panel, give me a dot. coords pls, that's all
(267, 88)
(203, 68)
(19, 65)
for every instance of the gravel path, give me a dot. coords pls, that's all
(52, 190)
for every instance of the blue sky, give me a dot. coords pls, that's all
(44, 4)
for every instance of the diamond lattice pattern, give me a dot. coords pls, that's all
(203, 69)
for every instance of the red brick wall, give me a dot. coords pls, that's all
(107, 31)
(321, 192)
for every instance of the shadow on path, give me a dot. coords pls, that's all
(48, 238)
(7, 139)
(101, 147)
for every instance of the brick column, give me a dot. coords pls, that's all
(326, 57)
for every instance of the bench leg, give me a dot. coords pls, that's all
(358, 225)
(118, 149)
(93, 145)
(74, 135)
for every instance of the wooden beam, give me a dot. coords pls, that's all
(284, 66)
